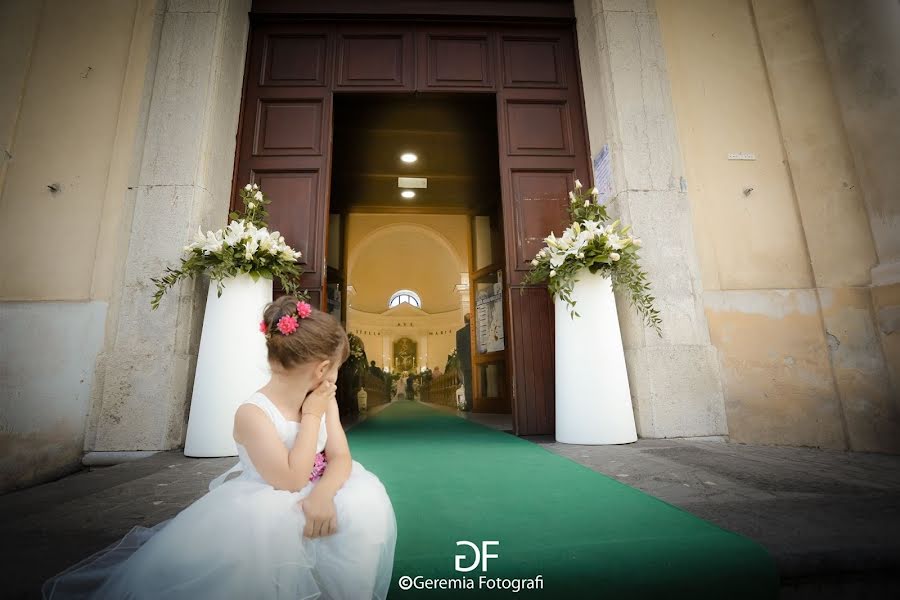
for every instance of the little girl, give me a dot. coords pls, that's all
(303, 520)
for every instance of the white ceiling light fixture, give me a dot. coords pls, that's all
(408, 194)
(408, 157)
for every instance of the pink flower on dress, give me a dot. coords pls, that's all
(304, 309)
(263, 328)
(318, 466)
(287, 324)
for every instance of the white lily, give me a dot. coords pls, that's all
(585, 236)
(250, 248)
(594, 192)
(592, 226)
(614, 256)
(234, 232)
(613, 241)
(258, 196)
(248, 187)
(209, 243)
(557, 260)
(251, 232)
(577, 184)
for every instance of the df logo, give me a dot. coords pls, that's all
(480, 555)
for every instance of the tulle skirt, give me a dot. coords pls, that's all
(244, 539)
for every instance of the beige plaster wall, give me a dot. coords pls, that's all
(71, 106)
(66, 130)
(785, 245)
(862, 47)
(862, 44)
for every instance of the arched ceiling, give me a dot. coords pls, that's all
(404, 257)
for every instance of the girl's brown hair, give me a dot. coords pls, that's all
(319, 336)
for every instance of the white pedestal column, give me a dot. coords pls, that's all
(593, 400)
(231, 364)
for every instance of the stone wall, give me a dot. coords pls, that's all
(674, 379)
(183, 182)
(784, 239)
(71, 101)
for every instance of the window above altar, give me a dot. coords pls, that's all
(405, 297)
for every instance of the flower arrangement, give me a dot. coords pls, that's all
(244, 246)
(592, 242)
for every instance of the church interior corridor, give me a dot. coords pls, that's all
(415, 252)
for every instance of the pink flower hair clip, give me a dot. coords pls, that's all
(288, 324)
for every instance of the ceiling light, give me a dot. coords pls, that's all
(409, 157)
(408, 194)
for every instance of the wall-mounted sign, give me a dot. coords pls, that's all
(412, 182)
(489, 316)
(603, 174)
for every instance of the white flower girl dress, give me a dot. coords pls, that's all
(244, 539)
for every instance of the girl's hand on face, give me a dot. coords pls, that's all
(321, 516)
(317, 401)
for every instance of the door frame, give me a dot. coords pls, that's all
(535, 172)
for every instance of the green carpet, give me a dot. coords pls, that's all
(587, 535)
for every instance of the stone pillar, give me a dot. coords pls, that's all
(675, 381)
(184, 181)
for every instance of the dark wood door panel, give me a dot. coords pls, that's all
(533, 379)
(539, 127)
(368, 58)
(295, 205)
(289, 127)
(293, 58)
(455, 58)
(535, 59)
(538, 202)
